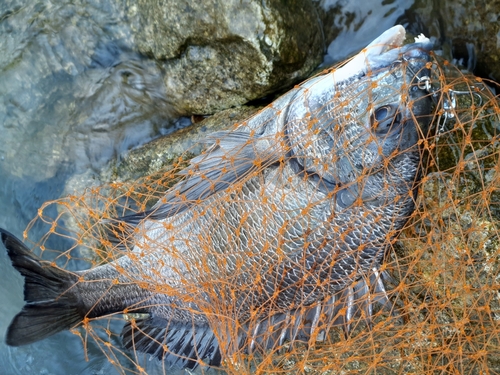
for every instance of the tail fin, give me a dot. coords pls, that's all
(50, 307)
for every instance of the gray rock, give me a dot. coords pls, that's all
(466, 30)
(220, 53)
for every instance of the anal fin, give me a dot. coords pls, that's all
(181, 345)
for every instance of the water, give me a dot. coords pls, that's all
(73, 94)
(360, 23)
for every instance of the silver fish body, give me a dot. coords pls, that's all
(282, 212)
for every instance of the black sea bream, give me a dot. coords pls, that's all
(267, 230)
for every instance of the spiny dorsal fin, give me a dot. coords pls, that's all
(231, 158)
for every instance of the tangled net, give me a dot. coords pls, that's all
(444, 264)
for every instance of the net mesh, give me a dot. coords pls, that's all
(443, 266)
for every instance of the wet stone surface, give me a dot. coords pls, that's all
(217, 54)
(467, 31)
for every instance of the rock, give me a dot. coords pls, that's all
(467, 32)
(218, 53)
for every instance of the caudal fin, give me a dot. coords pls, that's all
(50, 307)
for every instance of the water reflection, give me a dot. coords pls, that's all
(359, 23)
(116, 109)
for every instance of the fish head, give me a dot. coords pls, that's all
(388, 112)
(360, 127)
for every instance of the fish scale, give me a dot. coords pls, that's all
(269, 227)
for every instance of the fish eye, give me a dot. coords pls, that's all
(381, 113)
(385, 118)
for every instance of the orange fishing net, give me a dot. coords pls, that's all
(444, 264)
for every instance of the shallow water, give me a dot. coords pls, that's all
(73, 94)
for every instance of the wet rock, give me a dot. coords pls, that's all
(468, 32)
(219, 53)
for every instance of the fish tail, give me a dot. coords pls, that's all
(50, 307)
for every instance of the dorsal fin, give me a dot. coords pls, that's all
(231, 158)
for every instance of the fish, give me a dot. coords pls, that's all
(282, 223)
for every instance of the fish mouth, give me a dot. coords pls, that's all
(388, 48)
(389, 39)
(393, 39)
(381, 53)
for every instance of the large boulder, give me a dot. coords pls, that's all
(223, 53)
